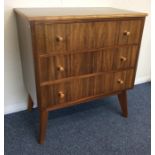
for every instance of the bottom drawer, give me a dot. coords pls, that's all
(84, 87)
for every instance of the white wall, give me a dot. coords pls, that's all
(15, 93)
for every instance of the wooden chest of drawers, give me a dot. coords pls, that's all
(74, 55)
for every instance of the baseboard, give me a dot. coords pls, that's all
(12, 108)
(142, 80)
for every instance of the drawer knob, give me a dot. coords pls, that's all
(122, 58)
(126, 33)
(61, 94)
(120, 81)
(60, 68)
(59, 38)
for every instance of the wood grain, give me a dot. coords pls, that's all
(132, 26)
(75, 36)
(122, 97)
(75, 64)
(73, 58)
(86, 86)
(43, 125)
(84, 13)
(129, 54)
(30, 103)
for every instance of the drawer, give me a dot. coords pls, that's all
(125, 57)
(63, 66)
(77, 64)
(86, 87)
(50, 37)
(74, 36)
(130, 32)
(122, 80)
(92, 35)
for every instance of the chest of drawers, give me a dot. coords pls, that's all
(74, 55)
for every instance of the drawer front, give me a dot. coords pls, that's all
(75, 36)
(63, 66)
(82, 88)
(122, 80)
(130, 32)
(92, 35)
(77, 64)
(125, 57)
(50, 37)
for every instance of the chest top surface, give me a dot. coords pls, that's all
(34, 14)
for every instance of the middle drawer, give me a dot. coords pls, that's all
(75, 64)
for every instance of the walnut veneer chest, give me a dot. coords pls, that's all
(74, 55)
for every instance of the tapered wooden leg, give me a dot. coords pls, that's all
(30, 103)
(43, 125)
(122, 97)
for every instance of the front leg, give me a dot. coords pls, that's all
(43, 125)
(122, 97)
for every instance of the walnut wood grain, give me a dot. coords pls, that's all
(90, 35)
(125, 57)
(77, 77)
(85, 86)
(75, 36)
(75, 64)
(30, 103)
(81, 101)
(134, 28)
(46, 14)
(43, 125)
(122, 97)
(77, 55)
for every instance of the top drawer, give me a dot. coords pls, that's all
(130, 32)
(51, 38)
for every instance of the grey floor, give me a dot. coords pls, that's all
(96, 128)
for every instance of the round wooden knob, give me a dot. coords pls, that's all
(122, 58)
(60, 68)
(61, 94)
(59, 38)
(120, 81)
(126, 33)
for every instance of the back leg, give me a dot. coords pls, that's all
(30, 103)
